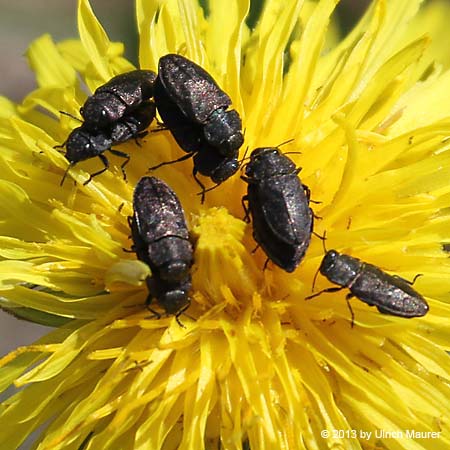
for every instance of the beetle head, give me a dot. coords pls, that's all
(174, 300)
(82, 145)
(340, 269)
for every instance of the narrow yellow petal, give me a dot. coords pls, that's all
(95, 41)
(50, 67)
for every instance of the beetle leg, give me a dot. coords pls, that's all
(314, 279)
(306, 189)
(407, 281)
(347, 299)
(246, 209)
(65, 174)
(308, 193)
(321, 237)
(155, 313)
(179, 321)
(122, 155)
(209, 189)
(135, 135)
(105, 162)
(165, 163)
(313, 216)
(202, 186)
(266, 263)
(181, 311)
(140, 135)
(328, 290)
(254, 250)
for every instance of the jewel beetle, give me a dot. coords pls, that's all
(390, 294)
(186, 92)
(278, 204)
(83, 144)
(161, 240)
(196, 112)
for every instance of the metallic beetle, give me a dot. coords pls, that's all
(185, 87)
(389, 293)
(161, 240)
(279, 206)
(84, 144)
(195, 110)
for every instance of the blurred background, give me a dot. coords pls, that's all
(22, 21)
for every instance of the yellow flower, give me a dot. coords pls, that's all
(258, 366)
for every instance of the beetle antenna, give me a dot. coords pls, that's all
(288, 142)
(70, 115)
(324, 238)
(241, 162)
(245, 154)
(285, 142)
(292, 153)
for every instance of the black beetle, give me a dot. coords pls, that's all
(279, 206)
(195, 110)
(389, 293)
(161, 240)
(117, 98)
(84, 144)
(183, 87)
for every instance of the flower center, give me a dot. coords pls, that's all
(224, 269)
